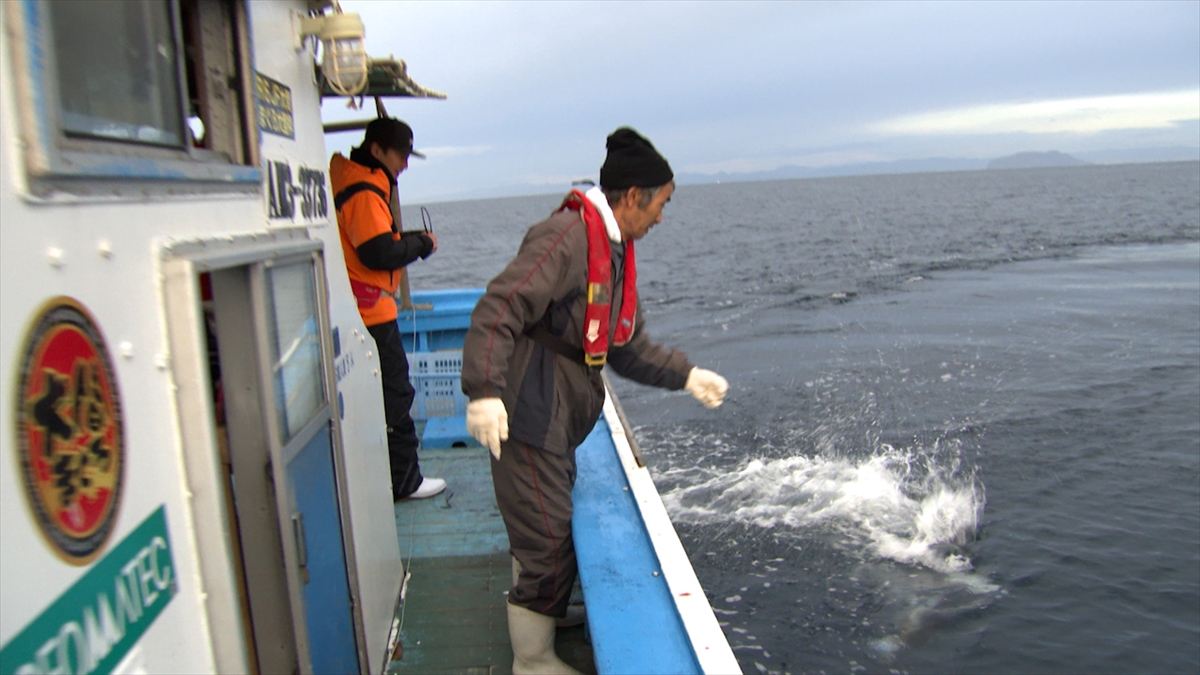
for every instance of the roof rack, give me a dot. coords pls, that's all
(385, 77)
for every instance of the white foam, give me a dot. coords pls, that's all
(902, 505)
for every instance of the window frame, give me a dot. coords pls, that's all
(54, 160)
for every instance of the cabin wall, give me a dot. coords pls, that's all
(107, 254)
(104, 256)
(357, 371)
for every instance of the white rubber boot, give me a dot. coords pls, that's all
(532, 637)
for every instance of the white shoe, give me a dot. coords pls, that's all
(428, 488)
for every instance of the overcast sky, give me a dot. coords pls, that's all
(534, 88)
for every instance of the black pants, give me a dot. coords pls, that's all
(398, 396)
(533, 491)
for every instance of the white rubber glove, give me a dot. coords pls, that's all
(708, 387)
(487, 421)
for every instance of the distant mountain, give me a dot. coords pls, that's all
(927, 165)
(1177, 153)
(935, 164)
(1035, 160)
(1174, 153)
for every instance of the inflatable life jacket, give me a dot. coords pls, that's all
(599, 285)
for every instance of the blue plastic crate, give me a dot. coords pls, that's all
(437, 377)
(439, 402)
(433, 336)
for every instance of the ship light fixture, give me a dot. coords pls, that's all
(344, 58)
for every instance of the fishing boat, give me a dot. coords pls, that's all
(196, 476)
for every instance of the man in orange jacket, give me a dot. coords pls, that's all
(376, 252)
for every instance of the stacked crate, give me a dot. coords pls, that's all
(433, 334)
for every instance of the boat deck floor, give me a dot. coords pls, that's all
(453, 618)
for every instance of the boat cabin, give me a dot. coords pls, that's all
(195, 458)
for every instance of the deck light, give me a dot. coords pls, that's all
(344, 58)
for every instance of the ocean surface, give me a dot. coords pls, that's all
(963, 427)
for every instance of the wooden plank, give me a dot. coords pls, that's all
(462, 521)
(455, 618)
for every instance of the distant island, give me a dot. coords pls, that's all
(930, 164)
(1035, 160)
(1177, 153)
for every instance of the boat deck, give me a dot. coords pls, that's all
(646, 611)
(453, 619)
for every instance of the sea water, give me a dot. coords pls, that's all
(963, 426)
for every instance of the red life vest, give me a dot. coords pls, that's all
(599, 285)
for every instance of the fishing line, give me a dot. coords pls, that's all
(394, 642)
(412, 517)
(427, 223)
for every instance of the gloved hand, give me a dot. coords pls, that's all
(487, 421)
(708, 387)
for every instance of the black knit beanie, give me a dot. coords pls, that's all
(633, 162)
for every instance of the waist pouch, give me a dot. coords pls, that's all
(366, 294)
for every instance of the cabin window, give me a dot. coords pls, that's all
(295, 345)
(125, 86)
(136, 90)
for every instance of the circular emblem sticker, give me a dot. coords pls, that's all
(69, 433)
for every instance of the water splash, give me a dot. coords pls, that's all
(913, 506)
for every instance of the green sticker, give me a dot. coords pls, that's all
(95, 623)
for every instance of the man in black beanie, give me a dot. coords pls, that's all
(539, 337)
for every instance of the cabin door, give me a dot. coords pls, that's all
(273, 365)
(294, 324)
